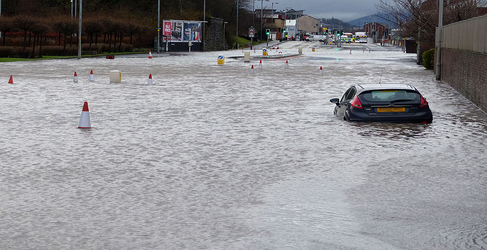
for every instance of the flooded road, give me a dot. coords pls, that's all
(214, 157)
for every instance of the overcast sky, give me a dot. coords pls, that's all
(346, 10)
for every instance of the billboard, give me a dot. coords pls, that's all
(182, 31)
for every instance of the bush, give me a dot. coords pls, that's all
(429, 59)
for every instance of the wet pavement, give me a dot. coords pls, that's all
(216, 157)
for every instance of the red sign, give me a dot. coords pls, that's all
(167, 28)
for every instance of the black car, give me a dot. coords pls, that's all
(383, 103)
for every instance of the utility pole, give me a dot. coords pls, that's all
(158, 26)
(204, 26)
(0, 14)
(80, 22)
(440, 38)
(261, 19)
(237, 26)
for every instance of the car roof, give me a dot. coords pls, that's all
(384, 86)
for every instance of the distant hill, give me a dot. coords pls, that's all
(360, 22)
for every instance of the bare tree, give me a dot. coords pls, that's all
(6, 25)
(67, 26)
(24, 23)
(419, 18)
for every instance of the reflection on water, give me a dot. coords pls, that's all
(210, 157)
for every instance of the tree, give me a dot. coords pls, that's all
(67, 26)
(419, 18)
(93, 26)
(6, 25)
(39, 29)
(24, 23)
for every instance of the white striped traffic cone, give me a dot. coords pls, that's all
(252, 69)
(260, 64)
(321, 70)
(84, 121)
(150, 54)
(287, 65)
(75, 78)
(150, 80)
(92, 77)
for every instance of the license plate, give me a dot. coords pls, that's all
(403, 109)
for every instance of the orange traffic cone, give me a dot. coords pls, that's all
(11, 81)
(84, 121)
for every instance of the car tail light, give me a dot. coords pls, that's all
(356, 103)
(423, 103)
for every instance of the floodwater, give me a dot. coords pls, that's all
(215, 157)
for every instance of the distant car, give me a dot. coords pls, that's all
(383, 103)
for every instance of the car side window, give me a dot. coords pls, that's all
(345, 95)
(349, 94)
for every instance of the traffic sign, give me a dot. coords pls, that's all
(251, 32)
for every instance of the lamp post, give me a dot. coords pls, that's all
(80, 22)
(273, 9)
(224, 32)
(71, 8)
(261, 18)
(204, 26)
(0, 14)
(253, 13)
(158, 26)
(236, 43)
(440, 38)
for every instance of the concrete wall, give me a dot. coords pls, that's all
(464, 59)
(468, 35)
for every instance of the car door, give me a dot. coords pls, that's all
(345, 102)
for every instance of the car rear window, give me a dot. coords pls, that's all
(389, 95)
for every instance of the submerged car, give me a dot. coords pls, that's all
(383, 103)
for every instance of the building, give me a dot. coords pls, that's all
(307, 25)
(376, 31)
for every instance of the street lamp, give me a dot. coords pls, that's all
(261, 18)
(273, 9)
(158, 26)
(224, 32)
(236, 43)
(440, 34)
(0, 14)
(80, 21)
(204, 26)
